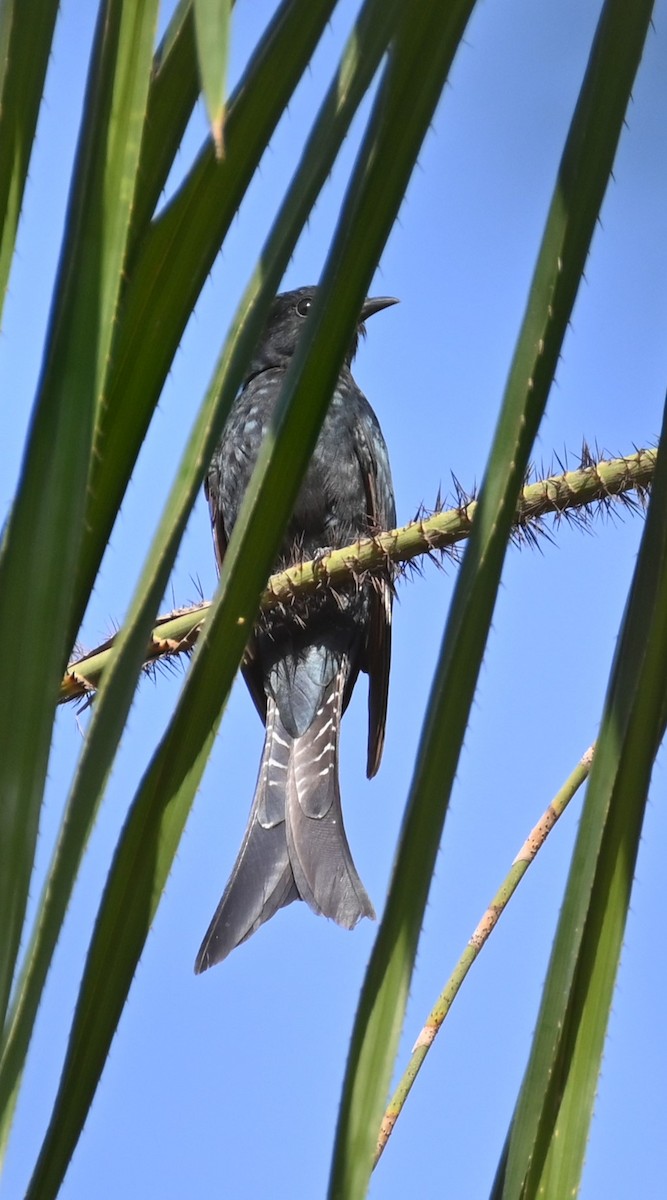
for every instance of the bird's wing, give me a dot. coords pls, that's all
(212, 493)
(378, 656)
(373, 461)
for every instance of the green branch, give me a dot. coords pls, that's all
(569, 495)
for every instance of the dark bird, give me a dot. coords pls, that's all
(303, 662)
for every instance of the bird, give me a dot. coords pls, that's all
(302, 662)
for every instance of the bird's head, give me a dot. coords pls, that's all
(287, 320)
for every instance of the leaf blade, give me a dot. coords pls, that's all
(43, 535)
(212, 33)
(585, 170)
(25, 45)
(156, 820)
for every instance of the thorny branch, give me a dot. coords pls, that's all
(576, 495)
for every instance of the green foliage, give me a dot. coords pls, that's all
(128, 281)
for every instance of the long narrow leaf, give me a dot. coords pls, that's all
(175, 260)
(84, 801)
(43, 535)
(582, 179)
(26, 35)
(172, 95)
(212, 30)
(151, 834)
(547, 1139)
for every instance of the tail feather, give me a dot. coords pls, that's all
(262, 880)
(324, 871)
(294, 847)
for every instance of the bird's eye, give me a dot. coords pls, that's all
(303, 306)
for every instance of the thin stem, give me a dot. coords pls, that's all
(535, 840)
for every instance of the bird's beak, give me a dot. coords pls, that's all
(375, 304)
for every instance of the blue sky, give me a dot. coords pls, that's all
(228, 1084)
